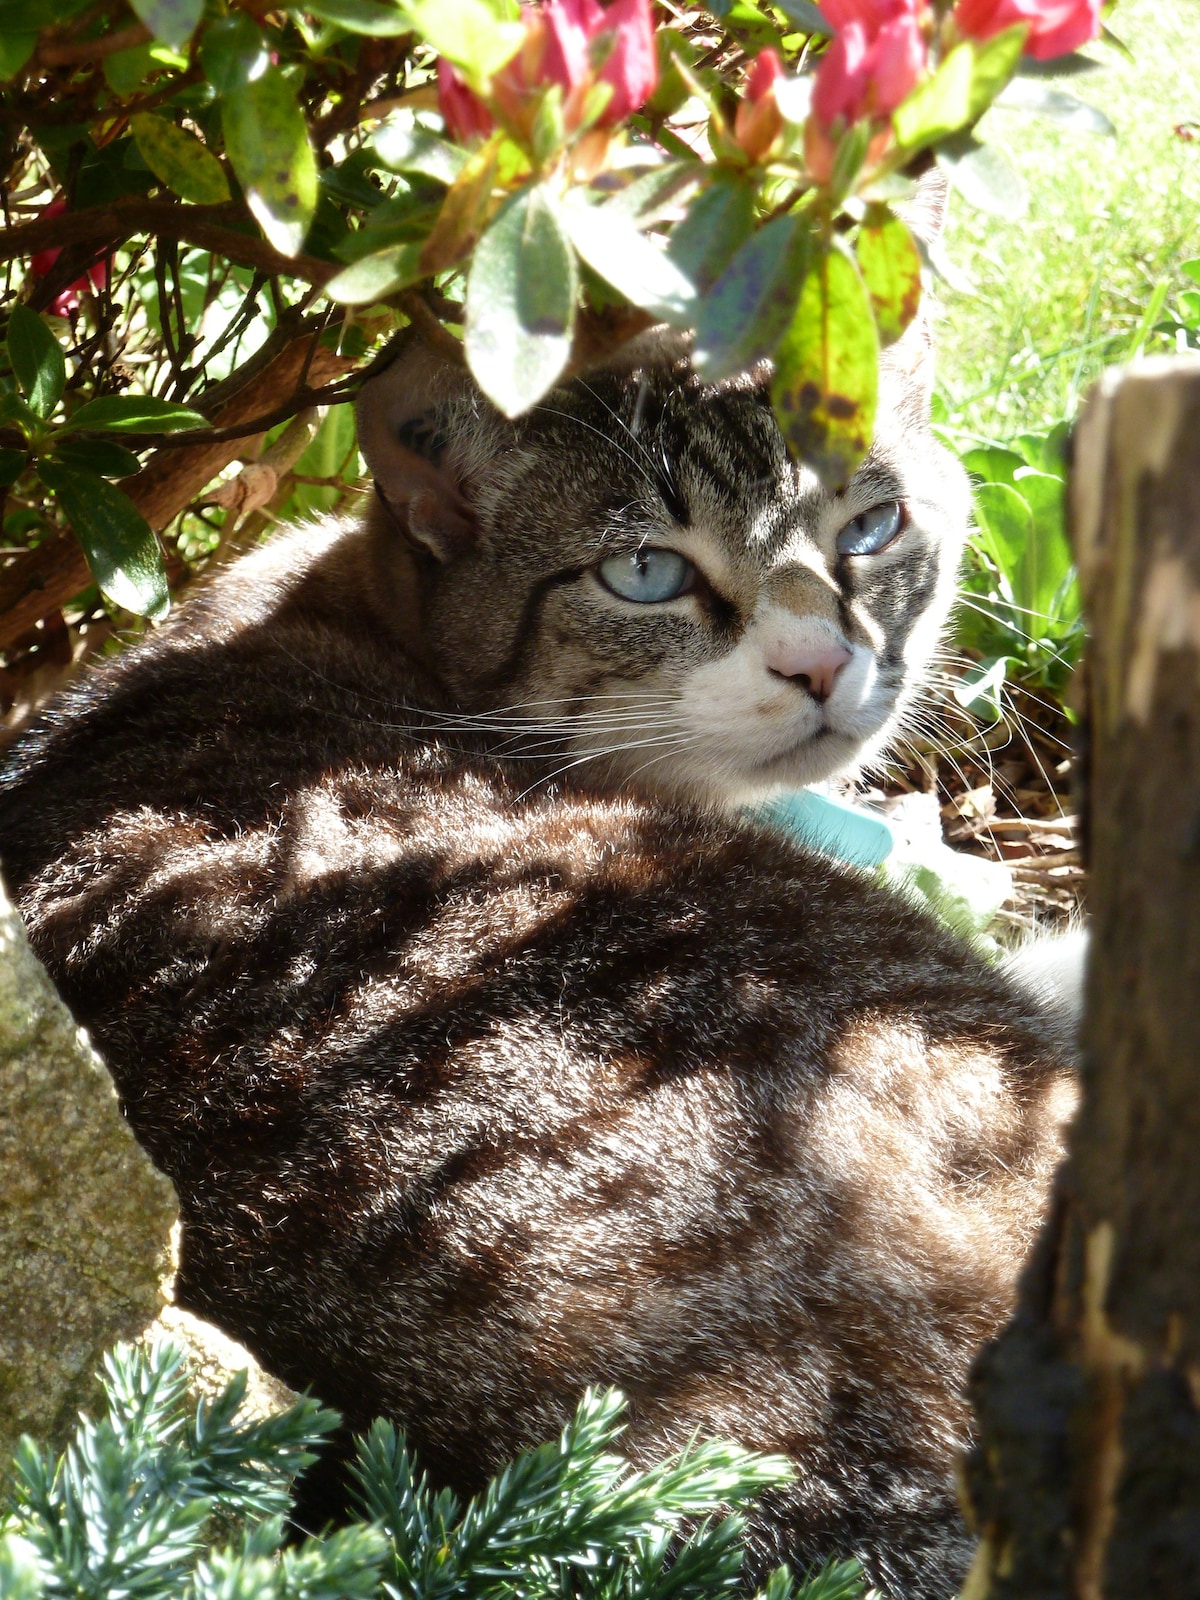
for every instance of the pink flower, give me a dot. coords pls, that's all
(40, 263)
(574, 44)
(579, 33)
(872, 64)
(759, 120)
(1056, 27)
(465, 115)
(762, 76)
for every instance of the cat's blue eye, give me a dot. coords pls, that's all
(873, 531)
(647, 576)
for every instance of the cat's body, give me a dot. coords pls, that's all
(490, 1061)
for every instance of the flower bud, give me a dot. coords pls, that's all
(874, 62)
(464, 113)
(759, 121)
(40, 263)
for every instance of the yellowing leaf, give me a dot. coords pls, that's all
(179, 160)
(891, 269)
(826, 370)
(266, 140)
(463, 212)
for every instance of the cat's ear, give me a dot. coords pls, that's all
(402, 415)
(925, 209)
(910, 360)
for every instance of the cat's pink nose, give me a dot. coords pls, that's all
(814, 668)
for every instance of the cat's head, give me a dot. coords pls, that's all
(637, 583)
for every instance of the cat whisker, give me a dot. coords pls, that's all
(629, 777)
(669, 743)
(517, 747)
(486, 719)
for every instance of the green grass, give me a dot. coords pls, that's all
(1067, 290)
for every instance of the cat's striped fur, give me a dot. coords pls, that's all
(489, 1055)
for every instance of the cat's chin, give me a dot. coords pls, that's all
(718, 778)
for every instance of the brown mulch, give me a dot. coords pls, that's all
(1007, 792)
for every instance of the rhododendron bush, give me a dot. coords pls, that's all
(218, 212)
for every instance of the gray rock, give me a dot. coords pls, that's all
(85, 1220)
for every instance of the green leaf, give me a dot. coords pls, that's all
(127, 70)
(134, 413)
(105, 456)
(349, 184)
(718, 222)
(996, 59)
(848, 159)
(377, 276)
(468, 33)
(1191, 268)
(1005, 526)
(27, 16)
(37, 360)
(266, 139)
(1052, 457)
(940, 105)
(1046, 560)
(826, 370)
(179, 159)
(361, 16)
(121, 549)
(673, 91)
(521, 296)
(464, 211)
(984, 176)
(891, 267)
(836, 1580)
(233, 52)
(806, 16)
(658, 193)
(404, 219)
(13, 409)
(624, 257)
(746, 312)
(404, 146)
(172, 21)
(1046, 100)
(12, 465)
(993, 464)
(15, 51)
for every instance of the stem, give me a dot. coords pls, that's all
(73, 53)
(201, 226)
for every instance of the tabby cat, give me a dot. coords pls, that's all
(401, 882)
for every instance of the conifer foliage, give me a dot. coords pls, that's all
(163, 1500)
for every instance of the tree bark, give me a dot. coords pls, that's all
(1086, 1481)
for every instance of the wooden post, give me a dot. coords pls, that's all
(1086, 1481)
